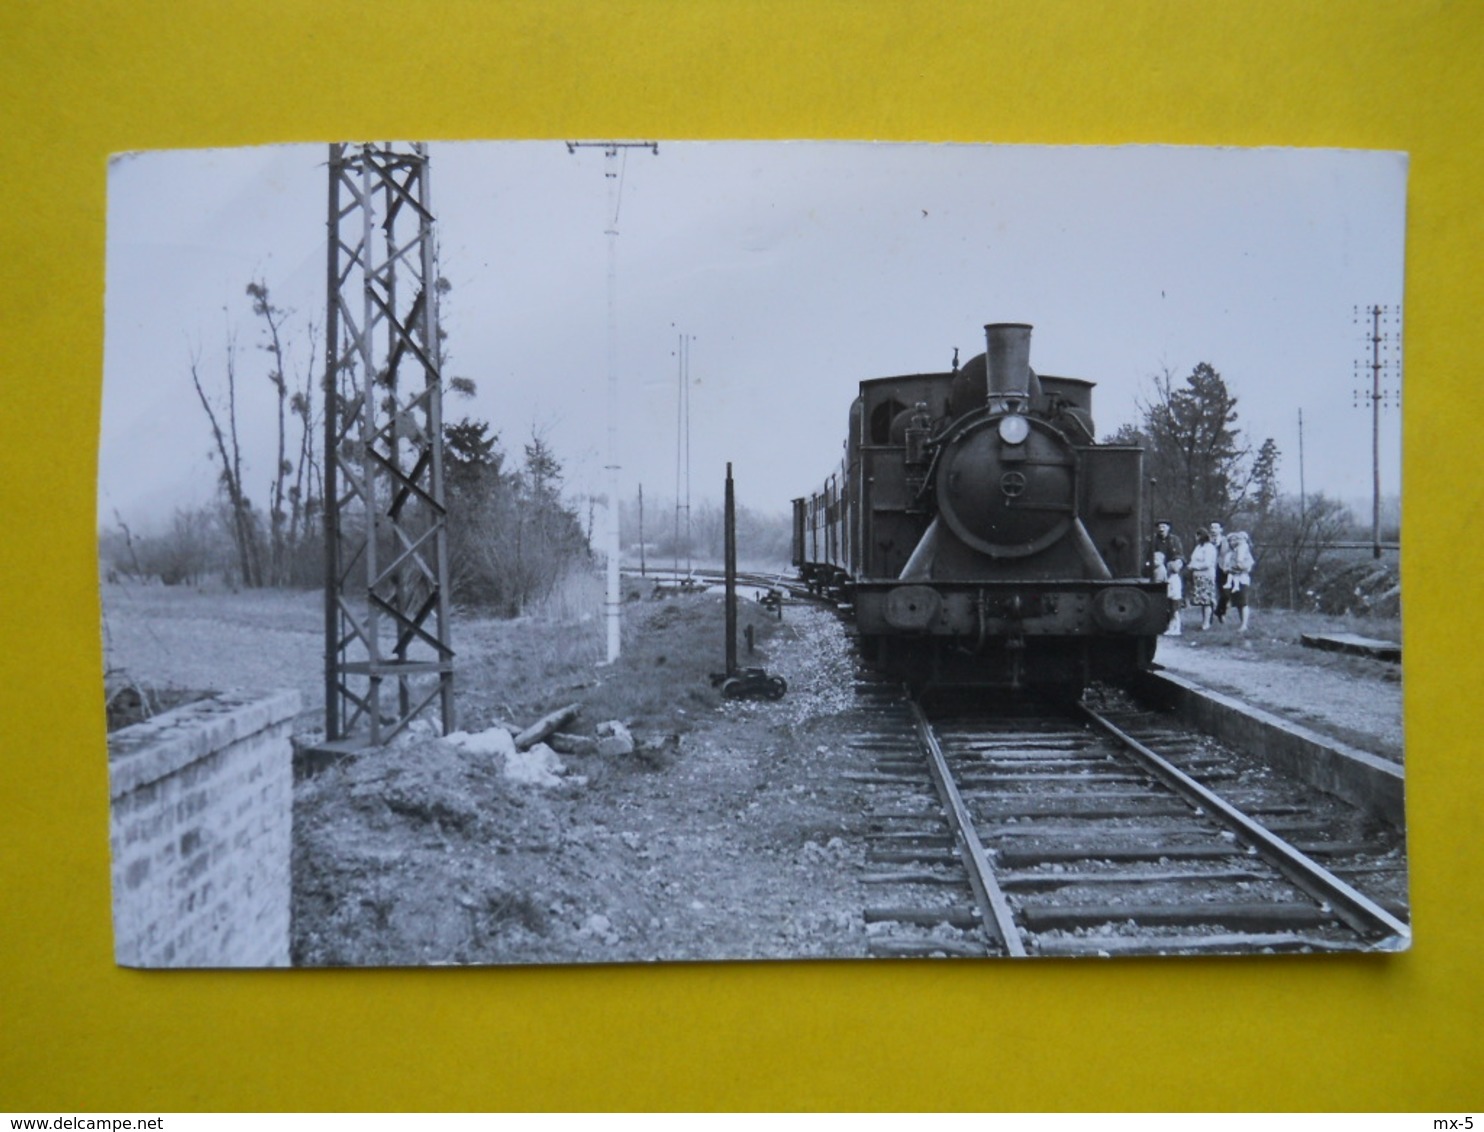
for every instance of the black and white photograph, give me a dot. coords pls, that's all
(629, 550)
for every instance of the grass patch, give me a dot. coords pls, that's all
(519, 670)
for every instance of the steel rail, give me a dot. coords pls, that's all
(792, 586)
(1355, 908)
(994, 908)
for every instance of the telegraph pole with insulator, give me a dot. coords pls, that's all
(1385, 351)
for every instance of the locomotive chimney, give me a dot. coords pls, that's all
(1007, 363)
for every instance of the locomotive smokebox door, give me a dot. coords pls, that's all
(912, 608)
(1007, 500)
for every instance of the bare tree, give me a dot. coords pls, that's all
(1291, 546)
(136, 569)
(273, 319)
(306, 495)
(244, 526)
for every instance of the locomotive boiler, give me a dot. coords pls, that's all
(979, 533)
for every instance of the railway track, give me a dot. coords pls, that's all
(1102, 832)
(703, 577)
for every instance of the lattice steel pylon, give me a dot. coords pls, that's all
(386, 537)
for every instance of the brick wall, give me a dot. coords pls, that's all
(200, 831)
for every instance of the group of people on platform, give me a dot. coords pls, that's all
(1220, 569)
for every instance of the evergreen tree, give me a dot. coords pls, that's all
(1265, 479)
(1199, 465)
(512, 538)
(471, 454)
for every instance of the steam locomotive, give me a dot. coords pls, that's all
(980, 534)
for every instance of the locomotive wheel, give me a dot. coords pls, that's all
(731, 688)
(777, 686)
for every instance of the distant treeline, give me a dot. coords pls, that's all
(512, 537)
(669, 534)
(1201, 468)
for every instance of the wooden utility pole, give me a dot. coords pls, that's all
(1375, 432)
(1303, 504)
(731, 574)
(1379, 341)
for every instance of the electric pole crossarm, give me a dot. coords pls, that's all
(615, 146)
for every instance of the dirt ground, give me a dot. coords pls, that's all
(723, 836)
(731, 831)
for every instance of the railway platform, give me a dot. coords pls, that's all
(1335, 722)
(1357, 702)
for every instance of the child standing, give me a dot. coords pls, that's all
(1175, 592)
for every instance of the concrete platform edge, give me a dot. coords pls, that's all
(1365, 780)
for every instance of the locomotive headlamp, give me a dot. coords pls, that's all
(1014, 429)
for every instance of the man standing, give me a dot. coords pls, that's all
(1166, 542)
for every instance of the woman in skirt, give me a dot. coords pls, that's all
(1203, 577)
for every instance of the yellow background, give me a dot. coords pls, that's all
(80, 80)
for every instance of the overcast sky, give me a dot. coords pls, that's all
(799, 269)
